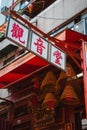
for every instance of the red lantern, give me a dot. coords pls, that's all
(50, 101)
(30, 8)
(36, 83)
(51, 104)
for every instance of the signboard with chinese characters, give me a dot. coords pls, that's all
(46, 50)
(39, 46)
(17, 32)
(57, 57)
(34, 42)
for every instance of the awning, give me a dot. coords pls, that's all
(19, 69)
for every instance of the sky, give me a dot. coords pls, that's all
(0, 3)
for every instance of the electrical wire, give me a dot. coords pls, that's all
(53, 18)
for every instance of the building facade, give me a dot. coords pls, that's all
(30, 109)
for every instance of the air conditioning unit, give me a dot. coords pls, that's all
(4, 10)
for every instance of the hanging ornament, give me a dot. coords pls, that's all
(36, 82)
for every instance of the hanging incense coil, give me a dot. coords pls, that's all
(50, 101)
(69, 96)
(60, 84)
(72, 78)
(64, 77)
(49, 82)
(69, 70)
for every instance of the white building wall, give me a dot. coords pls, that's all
(57, 13)
(2, 19)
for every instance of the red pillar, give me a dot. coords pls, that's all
(84, 66)
(12, 6)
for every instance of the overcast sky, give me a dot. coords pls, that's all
(0, 2)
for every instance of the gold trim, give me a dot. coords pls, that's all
(68, 126)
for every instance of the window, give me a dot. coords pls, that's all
(9, 60)
(77, 19)
(86, 25)
(80, 27)
(4, 115)
(70, 25)
(23, 4)
(20, 111)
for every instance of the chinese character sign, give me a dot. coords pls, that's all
(39, 46)
(57, 57)
(18, 32)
